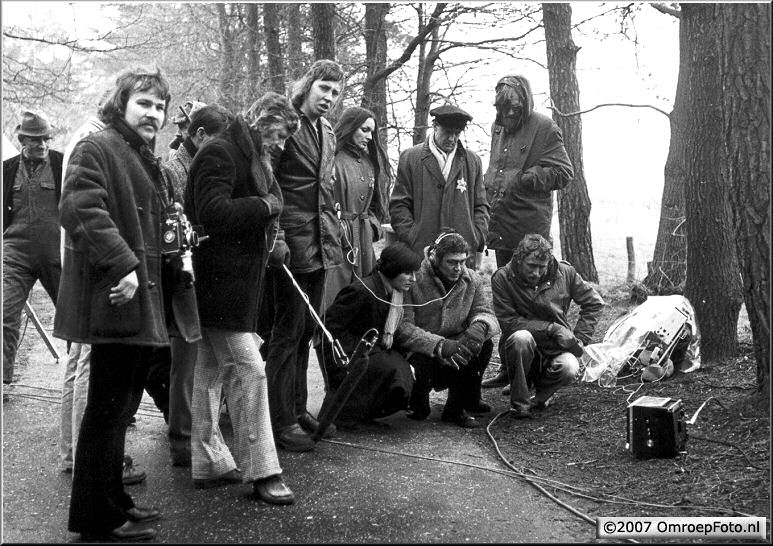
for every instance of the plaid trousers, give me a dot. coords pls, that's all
(229, 362)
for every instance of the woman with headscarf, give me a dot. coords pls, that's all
(375, 301)
(360, 184)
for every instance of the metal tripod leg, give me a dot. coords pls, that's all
(39, 327)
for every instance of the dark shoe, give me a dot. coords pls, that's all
(293, 438)
(506, 391)
(518, 413)
(310, 424)
(273, 490)
(181, 457)
(460, 419)
(230, 477)
(499, 380)
(129, 532)
(131, 474)
(539, 405)
(138, 514)
(478, 408)
(418, 405)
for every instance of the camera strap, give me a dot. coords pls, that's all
(338, 352)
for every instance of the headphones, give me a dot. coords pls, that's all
(433, 248)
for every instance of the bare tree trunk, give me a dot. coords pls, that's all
(423, 94)
(323, 30)
(667, 271)
(295, 64)
(745, 80)
(713, 282)
(253, 53)
(374, 91)
(227, 90)
(573, 201)
(276, 71)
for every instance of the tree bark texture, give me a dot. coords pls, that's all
(374, 89)
(295, 58)
(667, 271)
(227, 68)
(423, 84)
(713, 282)
(323, 30)
(745, 66)
(254, 86)
(573, 201)
(276, 70)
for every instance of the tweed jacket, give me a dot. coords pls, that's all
(519, 307)
(179, 166)
(11, 166)
(448, 315)
(111, 206)
(423, 202)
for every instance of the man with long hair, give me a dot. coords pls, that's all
(309, 244)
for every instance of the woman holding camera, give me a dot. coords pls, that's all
(233, 195)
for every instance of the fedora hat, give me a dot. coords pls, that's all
(33, 125)
(189, 107)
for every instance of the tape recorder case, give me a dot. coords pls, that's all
(656, 428)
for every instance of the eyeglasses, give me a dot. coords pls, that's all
(39, 139)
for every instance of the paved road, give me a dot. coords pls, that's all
(404, 483)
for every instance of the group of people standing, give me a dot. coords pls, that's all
(287, 209)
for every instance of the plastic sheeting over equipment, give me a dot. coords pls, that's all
(653, 340)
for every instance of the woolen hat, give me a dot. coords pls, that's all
(190, 107)
(33, 125)
(451, 117)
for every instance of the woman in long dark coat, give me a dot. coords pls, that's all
(373, 302)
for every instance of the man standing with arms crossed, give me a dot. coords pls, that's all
(308, 243)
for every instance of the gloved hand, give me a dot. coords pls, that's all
(280, 255)
(474, 336)
(453, 353)
(565, 339)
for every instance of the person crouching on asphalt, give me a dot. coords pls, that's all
(233, 194)
(113, 293)
(532, 295)
(447, 326)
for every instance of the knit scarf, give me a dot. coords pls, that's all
(394, 316)
(444, 160)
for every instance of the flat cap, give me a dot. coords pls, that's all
(451, 116)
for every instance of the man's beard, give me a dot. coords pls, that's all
(512, 124)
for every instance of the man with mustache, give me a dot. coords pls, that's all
(116, 293)
(309, 243)
(440, 184)
(532, 295)
(32, 183)
(528, 162)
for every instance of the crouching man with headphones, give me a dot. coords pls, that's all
(448, 326)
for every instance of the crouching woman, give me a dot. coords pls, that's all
(373, 302)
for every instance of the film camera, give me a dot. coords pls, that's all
(178, 236)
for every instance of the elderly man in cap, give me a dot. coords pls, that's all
(182, 118)
(440, 185)
(528, 162)
(32, 184)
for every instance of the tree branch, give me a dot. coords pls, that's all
(570, 114)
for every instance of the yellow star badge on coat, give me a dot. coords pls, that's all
(461, 185)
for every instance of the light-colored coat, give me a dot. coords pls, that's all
(446, 316)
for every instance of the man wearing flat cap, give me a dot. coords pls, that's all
(440, 185)
(32, 184)
(182, 118)
(528, 162)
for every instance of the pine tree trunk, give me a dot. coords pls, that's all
(713, 282)
(323, 30)
(667, 271)
(227, 91)
(573, 202)
(745, 66)
(295, 57)
(254, 86)
(276, 71)
(374, 91)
